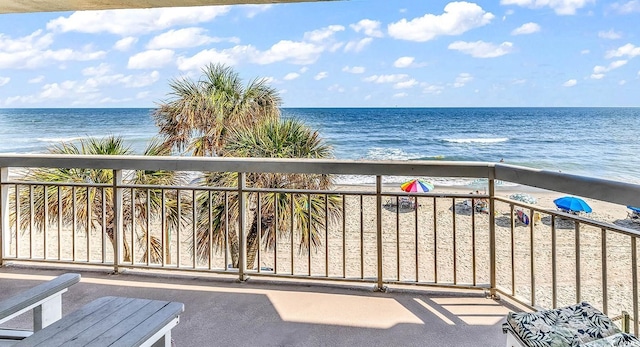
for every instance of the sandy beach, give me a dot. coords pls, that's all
(415, 249)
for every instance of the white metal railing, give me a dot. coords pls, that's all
(367, 235)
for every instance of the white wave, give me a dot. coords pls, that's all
(383, 153)
(478, 140)
(59, 139)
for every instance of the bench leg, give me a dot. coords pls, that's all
(164, 341)
(47, 313)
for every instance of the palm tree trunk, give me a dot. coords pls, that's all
(252, 244)
(234, 247)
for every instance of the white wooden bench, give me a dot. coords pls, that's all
(112, 321)
(45, 300)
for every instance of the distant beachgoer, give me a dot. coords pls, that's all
(502, 160)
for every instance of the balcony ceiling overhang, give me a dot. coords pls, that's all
(25, 6)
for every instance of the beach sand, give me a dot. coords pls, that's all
(415, 249)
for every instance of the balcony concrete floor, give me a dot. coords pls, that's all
(222, 312)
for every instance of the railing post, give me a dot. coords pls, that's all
(492, 236)
(5, 235)
(626, 321)
(242, 235)
(118, 224)
(380, 285)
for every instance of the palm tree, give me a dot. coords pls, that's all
(200, 114)
(272, 139)
(88, 201)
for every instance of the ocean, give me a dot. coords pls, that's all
(596, 142)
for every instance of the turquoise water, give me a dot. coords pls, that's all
(598, 142)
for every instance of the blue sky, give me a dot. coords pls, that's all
(358, 53)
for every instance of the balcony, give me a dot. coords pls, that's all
(343, 243)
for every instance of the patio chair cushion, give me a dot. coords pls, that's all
(616, 340)
(568, 326)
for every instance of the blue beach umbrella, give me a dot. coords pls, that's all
(573, 204)
(634, 209)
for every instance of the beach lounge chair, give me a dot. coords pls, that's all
(407, 202)
(576, 325)
(634, 215)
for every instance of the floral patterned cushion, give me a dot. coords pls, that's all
(568, 326)
(617, 340)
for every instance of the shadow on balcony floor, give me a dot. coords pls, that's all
(222, 312)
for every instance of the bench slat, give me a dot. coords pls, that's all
(135, 321)
(159, 320)
(42, 336)
(23, 301)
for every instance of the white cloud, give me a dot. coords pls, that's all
(323, 34)
(36, 79)
(368, 27)
(622, 82)
(125, 44)
(599, 70)
(229, 57)
(291, 76)
(458, 18)
(354, 69)
(462, 79)
(303, 69)
(4, 80)
(336, 88)
(519, 81)
(185, 38)
(254, 10)
(609, 35)
(296, 52)
(136, 21)
(403, 62)
(386, 78)
(561, 7)
(400, 95)
(526, 28)
(143, 95)
(570, 83)
(585, 51)
(432, 89)
(481, 49)
(628, 50)
(628, 7)
(321, 75)
(405, 84)
(32, 51)
(357, 46)
(99, 70)
(151, 59)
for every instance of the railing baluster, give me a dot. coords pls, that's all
(492, 235)
(473, 245)
(455, 253)
(117, 219)
(276, 203)
(210, 229)
(133, 225)
(147, 225)
(416, 241)
(31, 216)
(398, 263)
(532, 250)
(578, 282)
(45, 226)
(226, 231)
(59, 222)
(435, 240)
(242, 225)
(193, 228)
(554, 265)
(379, 252)
(309, 233)
(344, 237)
(74, 222)
(605, 294)
(88, 223)
(104, 224)
(634, 278)
(18, 219)
(5, 231)
(513, 251)
(164, 232)
(326, 235)
(291, 211)
(361, 237)
(178, 225)
(259, 213)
